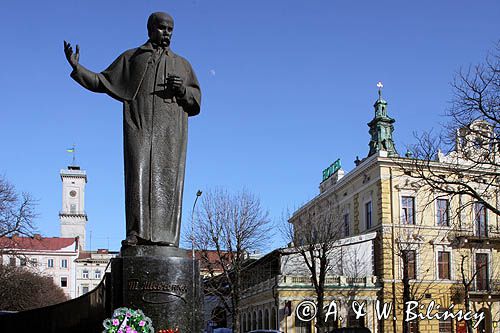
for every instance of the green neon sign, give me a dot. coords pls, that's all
(334, 167)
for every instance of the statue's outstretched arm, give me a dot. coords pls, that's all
(86, 78)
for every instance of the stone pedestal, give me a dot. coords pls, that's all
(159, 281)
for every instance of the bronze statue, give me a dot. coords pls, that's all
(159, 90)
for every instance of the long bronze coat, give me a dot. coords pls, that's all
(155, 135)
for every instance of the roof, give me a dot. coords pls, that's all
(84, 255)
(209, 259)
(99, 255)
(38, 243)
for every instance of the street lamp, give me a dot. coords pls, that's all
(193, 316)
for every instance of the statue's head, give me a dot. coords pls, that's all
(160, 28)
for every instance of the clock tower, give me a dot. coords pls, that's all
(72, 215)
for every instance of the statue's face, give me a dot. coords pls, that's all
(161, 31)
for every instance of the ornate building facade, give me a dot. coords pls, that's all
(431, 245)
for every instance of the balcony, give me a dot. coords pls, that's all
(468, 239)
(302, 281)
(485, 289)
(72, 213)
(333, 281)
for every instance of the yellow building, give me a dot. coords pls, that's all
(444, 243)
(276, 284)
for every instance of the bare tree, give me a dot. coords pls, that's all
(22, 289)
(313, 236)
(16, 211)
(408, 247)
(462, 162)
(468, 148)
(233, 226)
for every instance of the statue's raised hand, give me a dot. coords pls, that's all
(70, 56)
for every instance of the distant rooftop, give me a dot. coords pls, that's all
(39, 243)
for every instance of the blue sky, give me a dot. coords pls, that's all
(288, 87)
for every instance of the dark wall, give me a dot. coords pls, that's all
(83, 314)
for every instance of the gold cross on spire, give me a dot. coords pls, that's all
(380, 86)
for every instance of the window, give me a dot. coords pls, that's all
(97, 274)
(408, 210)
(64, 263)
(414, 326)
(64, 282)
(302, 326)
(353, 322)
(85, 274)
(482, 274)
(266, 319)
(480, 220)
(72, 208)
(85, 289)
(368, 214)
(346, 225)
(442, 208)
(50, 262)
(443, 265)
(22, 261)
(445, 326)
(409, 258)
(273, 319)
(12, 261)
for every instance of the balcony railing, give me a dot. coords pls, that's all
(485, 286)
(72, 213)
(302, 281)
(473, 239)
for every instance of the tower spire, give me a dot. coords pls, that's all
(381, 128)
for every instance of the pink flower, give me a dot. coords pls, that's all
(128, 314)
(142, 323)
(116, 322)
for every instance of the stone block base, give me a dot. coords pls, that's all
(162, 282)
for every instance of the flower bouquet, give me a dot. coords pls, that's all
(126, 320)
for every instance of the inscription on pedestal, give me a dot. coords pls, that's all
(162, 287)
(158, 292)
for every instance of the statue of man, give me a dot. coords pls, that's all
(159, 91)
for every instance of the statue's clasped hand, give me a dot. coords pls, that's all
(176, 84)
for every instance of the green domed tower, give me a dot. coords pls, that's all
(381, 128)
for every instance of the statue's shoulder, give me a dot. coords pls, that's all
(181, 60)
(129, 54)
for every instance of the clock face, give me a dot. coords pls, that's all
(72, 193)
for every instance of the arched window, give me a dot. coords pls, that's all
(244, 323)
(266, 319)
(254, 321)
(274, 324)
